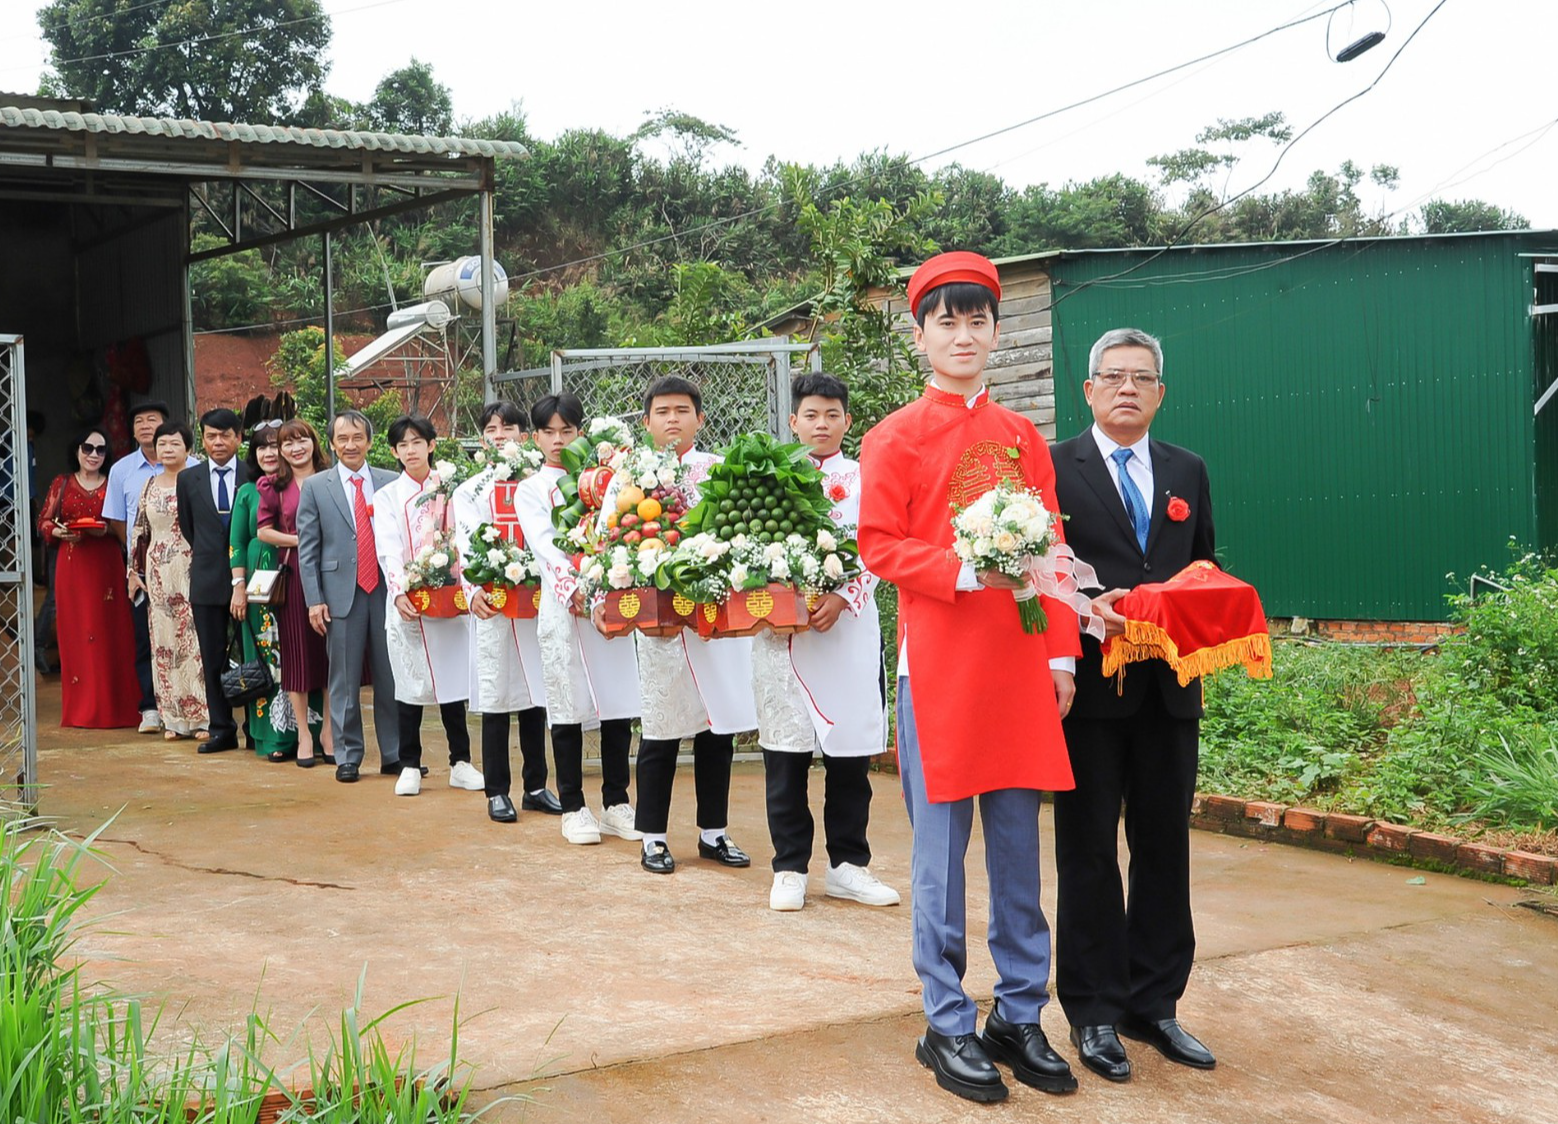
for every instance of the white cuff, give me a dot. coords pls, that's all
(1063, 663)
(968, 580)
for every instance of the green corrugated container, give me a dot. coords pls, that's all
(1364, 408)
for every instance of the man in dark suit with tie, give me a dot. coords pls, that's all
(205, 501)
(1139, 511)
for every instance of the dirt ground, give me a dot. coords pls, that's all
(1329, 988)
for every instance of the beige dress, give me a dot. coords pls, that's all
(178, 676)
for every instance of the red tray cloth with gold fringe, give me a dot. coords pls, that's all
(1199, 621)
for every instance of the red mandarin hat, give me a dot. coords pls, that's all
(959, 265)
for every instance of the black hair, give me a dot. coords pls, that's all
(171, 427)
(566, 406)
(505, 412)
(221, 418)
(819, 385)
(151, 405)
(668, 385)
(73, 454)
(415, 423)
(961, 298)
(352, 417)
(261, 437)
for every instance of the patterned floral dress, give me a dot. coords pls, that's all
(178, 676)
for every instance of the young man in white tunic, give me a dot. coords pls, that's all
(591, 680)
(822, 689)
(431, 656)
(505, 653)
(691, 687)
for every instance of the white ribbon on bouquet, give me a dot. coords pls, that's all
(1060, 574)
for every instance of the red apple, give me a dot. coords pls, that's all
(672, 537)
(651, 529)
(629, 520)
(631, 537)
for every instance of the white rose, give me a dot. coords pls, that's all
(981, 547)
(480, 457)
(495, 558)
(738, 576)
(439, 559)
(962, 549)
(833, 566)
(510, 449)
(773, 550)
(502, 471)
(619, 556)
(667, 476)
(621, 576)
(604, 451)
(810, 565)
(826, 541)
(648, 480)
(595, 572)
(579, 534)
(779, 568)
(1005, 542)
(617, 460)
(444, 469)
(491, 534)
(514, 572)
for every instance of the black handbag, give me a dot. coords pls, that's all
(247, 681)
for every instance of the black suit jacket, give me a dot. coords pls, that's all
(210, 574)
(1101, 534)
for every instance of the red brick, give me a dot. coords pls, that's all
(1351, 829)
(1437, 848)
(1391, 837)
(1198, 804)
(1539, 870)
(1303, 819)
(1480, 857)
(1224, 807)
(1267, 813)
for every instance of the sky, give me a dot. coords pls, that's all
(1464, 112)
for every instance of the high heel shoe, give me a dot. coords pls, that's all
(308, 762)
(280, 755)
(328, 758)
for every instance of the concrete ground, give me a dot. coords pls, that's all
(1329, 988)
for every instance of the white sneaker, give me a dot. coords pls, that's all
(618, 820)
(151, 722)
(462, 774)
(789, 892)
(858, 884)
(409, 783)
(580, 827)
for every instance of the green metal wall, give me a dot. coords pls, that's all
(1364, 409)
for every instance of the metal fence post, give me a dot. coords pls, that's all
(18, 681)
(780, 397)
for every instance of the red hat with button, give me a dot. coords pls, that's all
(943, 269)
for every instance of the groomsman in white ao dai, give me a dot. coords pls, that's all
(822, 689)
(431, 656)
(506, 674)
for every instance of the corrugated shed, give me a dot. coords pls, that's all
(1364, 409)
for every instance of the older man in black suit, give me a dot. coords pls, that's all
(205, 499)
(1140, 510)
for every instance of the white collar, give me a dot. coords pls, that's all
(982, 392)
(1108, 445)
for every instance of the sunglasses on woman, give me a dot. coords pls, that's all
(92, 450)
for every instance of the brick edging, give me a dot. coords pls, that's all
(1337, 831)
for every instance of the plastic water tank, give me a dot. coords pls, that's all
(460, 281)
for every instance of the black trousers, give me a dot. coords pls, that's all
(138, 616)
(211, 632)
(532, 751)
(616, 741)
(1116, 954)
(846, 809)
(711, 754)
(455, 729)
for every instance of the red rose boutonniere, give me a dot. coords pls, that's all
(1178, 509)
(837, 492)
(370, 511)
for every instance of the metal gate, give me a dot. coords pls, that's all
(18, 717)
(745, 385)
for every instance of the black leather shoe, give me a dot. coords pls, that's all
(542, 801)
(961, 1066)
(658, 861)
(725, 852)
(1099, 1048)
(217, 745)
(1171, 1040)
(393, 770)
(500, 809)
(1024, 1047)
(346, 774)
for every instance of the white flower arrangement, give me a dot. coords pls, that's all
(432, 566)
(1007, 529)
(499, 561)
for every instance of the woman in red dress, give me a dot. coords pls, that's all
(96, 638)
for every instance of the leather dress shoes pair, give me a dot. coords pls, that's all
(500, 809)
(1099, 1048)
(346, 773)
(961, 1066)
(1024, 1048)
(541, 801)
(725, 852)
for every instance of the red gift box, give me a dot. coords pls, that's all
(654, 612)
(445, 601)
(782, 608)
(520, 602)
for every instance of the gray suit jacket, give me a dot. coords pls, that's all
(327, 539)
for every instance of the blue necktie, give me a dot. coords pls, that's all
(1135, 506)
(224, 501)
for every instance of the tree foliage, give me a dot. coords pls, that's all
(411, 100)
(1465, 216)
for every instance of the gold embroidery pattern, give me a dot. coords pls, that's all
(982, 466)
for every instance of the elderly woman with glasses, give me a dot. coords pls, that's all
(98, 687)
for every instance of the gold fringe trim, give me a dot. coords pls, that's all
(1146, 641)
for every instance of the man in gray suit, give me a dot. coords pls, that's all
(339, 567)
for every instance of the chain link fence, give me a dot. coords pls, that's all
(745, 385)
(18, 719)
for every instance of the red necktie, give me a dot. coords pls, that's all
(367, 551)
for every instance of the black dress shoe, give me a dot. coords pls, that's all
(500, 809)
(542, 801)
(658, 860)
(1099, 1048)
(308, 762)
(1024, 1047)
(725, 852)
(961, 1066)
(393, 769)
(346, 774)
(217, 745)
(1170, 1039)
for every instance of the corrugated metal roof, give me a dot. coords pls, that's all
(176, 128)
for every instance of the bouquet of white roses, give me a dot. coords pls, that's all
(432, 566)
(624, 567)
(512, 460)
(493, 559)
(819, 564)
(1008, 529)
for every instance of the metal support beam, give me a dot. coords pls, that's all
(329, 337)
(337, 223)
(489, 314)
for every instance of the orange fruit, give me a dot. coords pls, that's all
(649, 509)
(611, 520)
